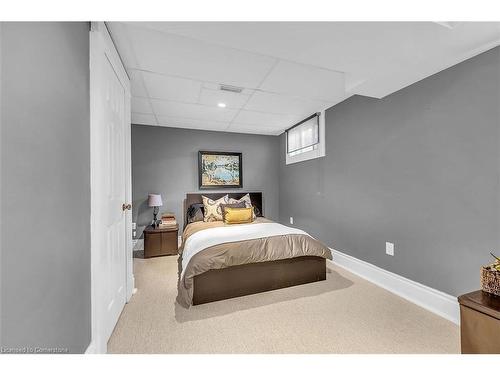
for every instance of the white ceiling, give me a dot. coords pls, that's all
(288, 70)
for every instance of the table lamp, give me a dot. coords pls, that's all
(154, 200)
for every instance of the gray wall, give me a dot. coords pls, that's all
(165, 161)
(419, 168)
(45, 176)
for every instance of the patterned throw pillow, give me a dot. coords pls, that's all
(213, 209)
(247, 200)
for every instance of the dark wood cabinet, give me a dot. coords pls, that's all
(480, 323)
(159, 242)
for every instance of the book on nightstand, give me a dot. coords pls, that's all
(168, 221)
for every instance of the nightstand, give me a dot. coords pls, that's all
(159, 242)
(480, 323)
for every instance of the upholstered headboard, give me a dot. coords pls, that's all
(192, 198)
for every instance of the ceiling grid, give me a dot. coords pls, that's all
(287, 70)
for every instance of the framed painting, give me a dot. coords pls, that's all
(218, 170)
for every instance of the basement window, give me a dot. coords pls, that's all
(306, 139)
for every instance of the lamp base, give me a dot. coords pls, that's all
(155, 221)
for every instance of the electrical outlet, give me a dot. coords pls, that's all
(389, 248)
(134, 226)
(291, 219)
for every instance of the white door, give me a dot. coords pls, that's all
(114, 169)
(110, 187)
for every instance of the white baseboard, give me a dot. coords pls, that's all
(431, 299)
(130, 288)
(139, 244)
(91, 348)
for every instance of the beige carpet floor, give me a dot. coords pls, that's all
(344, 314)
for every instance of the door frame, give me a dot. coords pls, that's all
(101, 46)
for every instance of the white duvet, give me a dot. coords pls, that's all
(215, 236)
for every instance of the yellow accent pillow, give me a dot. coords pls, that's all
(238, 215)
(245, 199)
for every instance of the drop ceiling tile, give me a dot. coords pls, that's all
(141, 105)
(231, 99)
(186, 57)
(179, 122)
(171, 88)
(137, 84)
(278, 103)
(264, 119)
(211, 85)
(193, 111)
(143, 119)
(253, 129)
(305, 81)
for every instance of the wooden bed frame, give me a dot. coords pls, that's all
(246, 279)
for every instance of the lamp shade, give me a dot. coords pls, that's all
(154, 200)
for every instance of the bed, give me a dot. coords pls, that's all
(219, 261)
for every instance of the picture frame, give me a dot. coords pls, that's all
(220, 170)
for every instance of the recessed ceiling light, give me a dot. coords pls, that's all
(222, 105)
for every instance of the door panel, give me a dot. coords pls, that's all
(111, 234)
(152, 244)
(114, 116)
(169, 242)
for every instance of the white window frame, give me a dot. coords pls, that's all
(318, 150)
